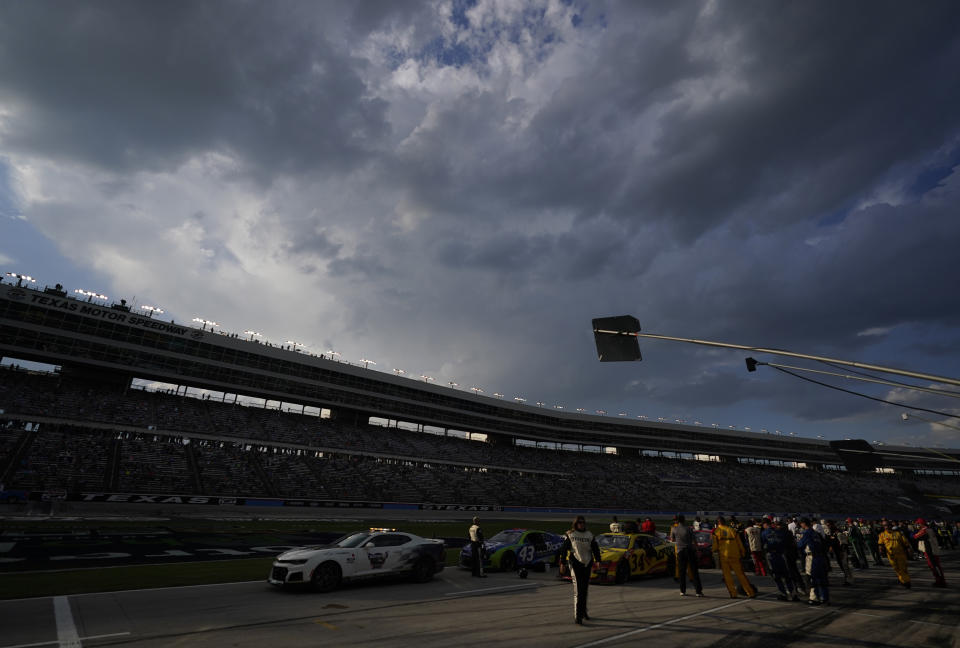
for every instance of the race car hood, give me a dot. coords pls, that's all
(301, 553)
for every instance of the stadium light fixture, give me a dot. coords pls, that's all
(520, 399)
(602, 412)
(581, 410)
(204, 323)
(476, 390)
(89, 294)
(295, 344)
(540, 403)
(616, 340)
(399, 372)
(426, 378)
(497, 395)
(152, 310)
(453, 384)
(333, 354)
(252, 334)
(21, 278)
(367, 363)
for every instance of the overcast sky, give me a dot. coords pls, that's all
(456, 189)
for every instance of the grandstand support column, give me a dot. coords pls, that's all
(112, 477)
(194, 470)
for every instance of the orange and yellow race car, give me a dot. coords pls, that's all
(625, 555)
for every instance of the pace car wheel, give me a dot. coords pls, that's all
(326, 577)
(508, 561)
(423, 570)
(623, 572)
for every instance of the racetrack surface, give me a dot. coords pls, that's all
(503, 610)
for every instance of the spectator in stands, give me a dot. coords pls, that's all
(687, 560)
(476, 549)
(927, 541)
(896, 548)
(728, 551)
(578, 551)
(615, 526)
(813, 548)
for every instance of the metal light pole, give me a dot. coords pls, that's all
(616, 339)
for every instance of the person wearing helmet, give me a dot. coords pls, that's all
(927, 542)
(579, 550)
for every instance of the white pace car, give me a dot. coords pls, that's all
(359, 555)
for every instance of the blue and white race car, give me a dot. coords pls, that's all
(517, 548)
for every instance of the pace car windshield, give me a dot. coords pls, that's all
(506, 537)
(613, 542)
(351, 540)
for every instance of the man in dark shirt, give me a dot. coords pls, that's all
(687, 558)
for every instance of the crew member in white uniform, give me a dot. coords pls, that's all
(579, 550)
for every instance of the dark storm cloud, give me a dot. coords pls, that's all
(131, 85)
(834, 99)
(815, 105)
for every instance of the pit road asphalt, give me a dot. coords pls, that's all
(456, 609)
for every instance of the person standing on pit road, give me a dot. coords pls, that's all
(872, 532)
(896, 548)
(615, 526)
(579, 550)
(838, 543)
(791, 555)
(728, 552)
(927, 541)
(774, 541)
(814, 549)
(753, 533)
(857, 543)
(686, 556)
(476, 549)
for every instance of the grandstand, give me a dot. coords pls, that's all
(98, 429)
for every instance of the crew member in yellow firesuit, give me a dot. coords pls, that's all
(896, 547)
(728, 551)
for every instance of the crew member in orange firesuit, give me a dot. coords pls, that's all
(896, 547)
(728, 551)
